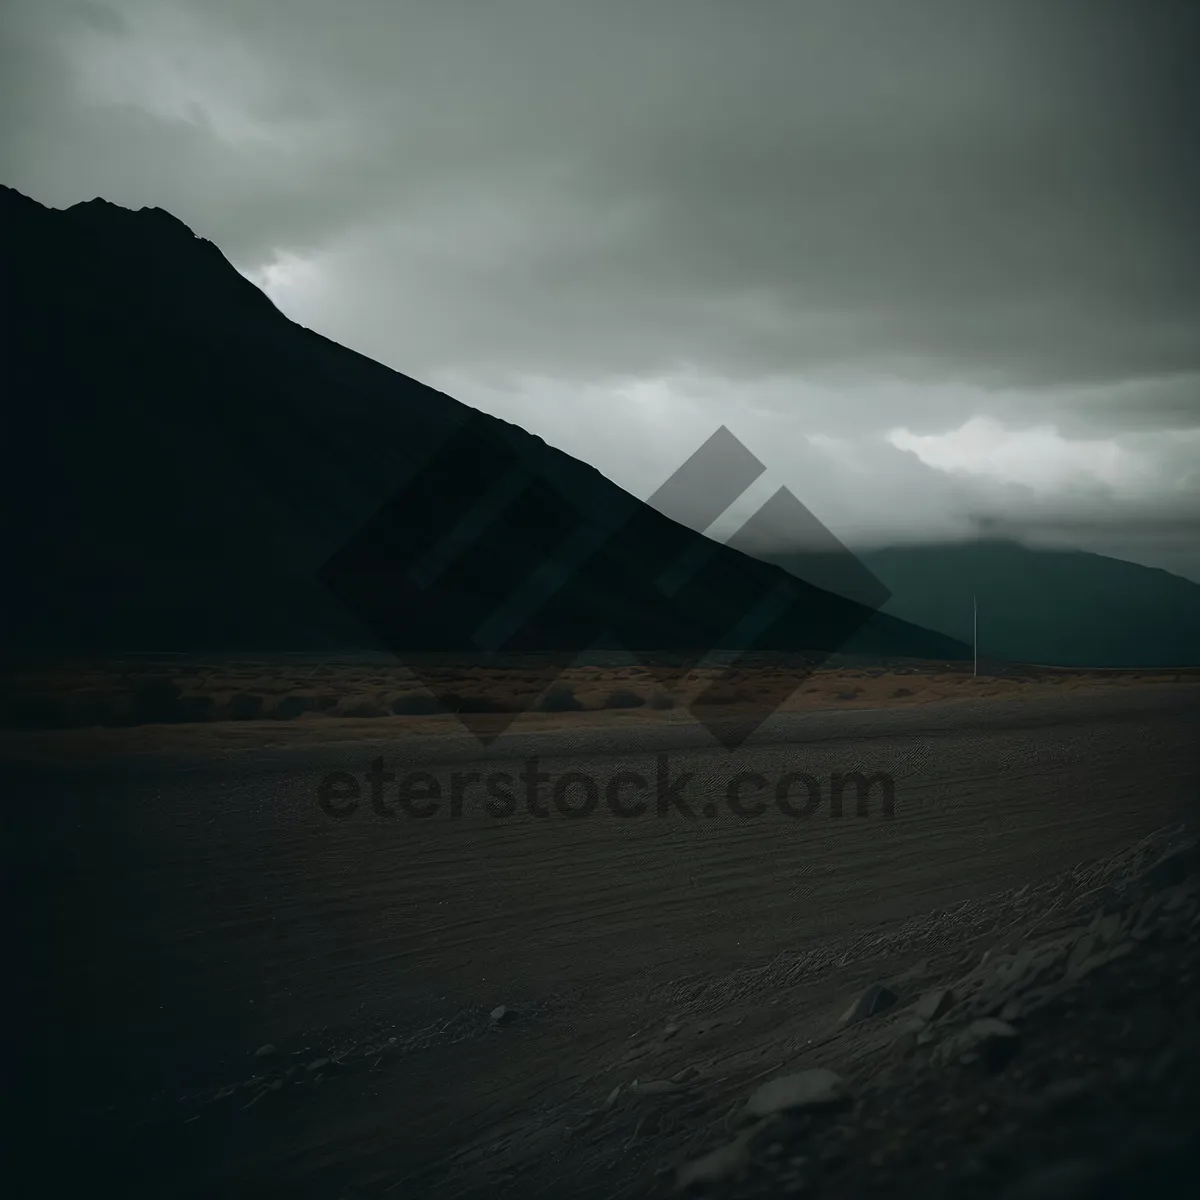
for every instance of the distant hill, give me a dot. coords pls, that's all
(1056, 607)
(190, 470)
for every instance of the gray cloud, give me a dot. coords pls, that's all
(816, 218)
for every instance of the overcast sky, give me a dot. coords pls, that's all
(934, 263)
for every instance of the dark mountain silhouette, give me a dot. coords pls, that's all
(190, 470)
(1057, 607)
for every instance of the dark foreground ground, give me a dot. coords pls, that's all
(236, 994)
(1063, 1061)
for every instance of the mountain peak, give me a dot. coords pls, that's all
(1041, 604)
(149, 217)
(97, 208)
(104, 254)
(211, 475)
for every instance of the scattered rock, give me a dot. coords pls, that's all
(874, 1000)
(908, 1037)
(1019, 975)
(722, 1163)
(1085, 966)
(1070, 1066)
(989, 1042)
(1107, 927)
(670, 1031)
(934, 1004)
(266, 1051)
(317, 1064)
(1143, 926)
(502, 1015)
(1173, 869)
(816, 1088)
(1080, 952)
(1004, 950)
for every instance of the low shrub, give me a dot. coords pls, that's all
(415, 704)
(559, 697)
(360, 706)
(155, 701)
(475, 703)
(244, 706)
(288, 708)
(197, 708)
(88, 707)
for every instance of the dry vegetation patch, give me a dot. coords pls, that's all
(143, 691)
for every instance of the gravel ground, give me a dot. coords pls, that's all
(240, 997)
(1066, 1062)
(1058, 1055)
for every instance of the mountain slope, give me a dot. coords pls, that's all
(1057, 607)
(190, 470)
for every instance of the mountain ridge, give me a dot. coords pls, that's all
(192, 460)
(1057, 607)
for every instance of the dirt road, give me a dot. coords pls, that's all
(182, 911)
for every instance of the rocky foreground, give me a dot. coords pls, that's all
(1040, 1043)
(1065, 1062)
(1043, 1043)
